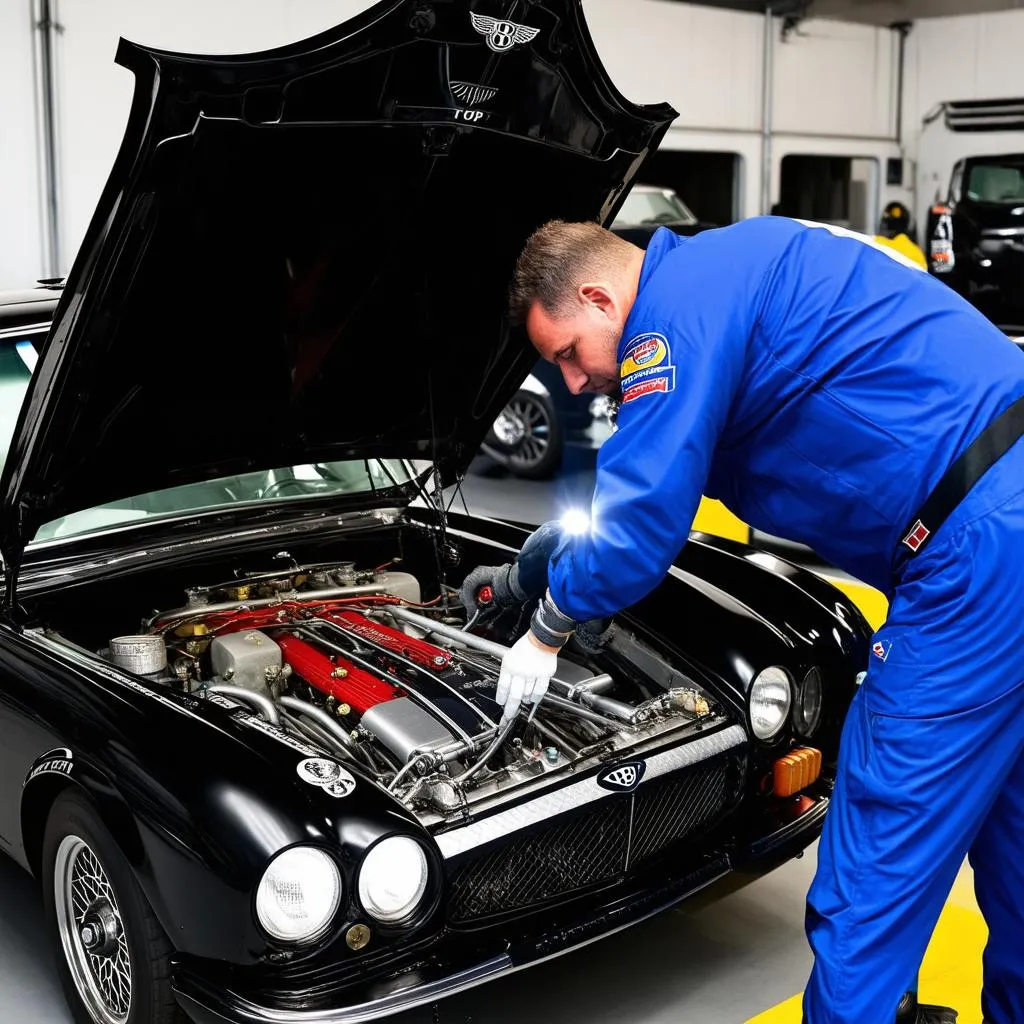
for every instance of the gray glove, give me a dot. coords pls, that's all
(515, 583)
(492, 586)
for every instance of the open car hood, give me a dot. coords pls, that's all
(302, 255)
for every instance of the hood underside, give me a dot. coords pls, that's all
(302, 255)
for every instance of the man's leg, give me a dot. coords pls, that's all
(997, 857)
(912, 794)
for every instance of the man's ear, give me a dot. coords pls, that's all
(599, 294)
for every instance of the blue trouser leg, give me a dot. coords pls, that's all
(997, 857)
(912, 795)
(929, 770)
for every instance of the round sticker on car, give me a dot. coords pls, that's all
(328, 775)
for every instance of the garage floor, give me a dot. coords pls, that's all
(743, 960)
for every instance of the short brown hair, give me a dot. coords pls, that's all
(555, 259)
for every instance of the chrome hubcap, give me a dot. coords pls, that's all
(92, 933)
(508, 429)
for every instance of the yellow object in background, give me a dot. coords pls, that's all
(902, 244)
(713, 517)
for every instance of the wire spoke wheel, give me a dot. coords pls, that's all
(92, 932)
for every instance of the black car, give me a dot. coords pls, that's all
(249, 743)
(976, 237)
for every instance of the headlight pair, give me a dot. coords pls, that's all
(301, 889)
(772, 699)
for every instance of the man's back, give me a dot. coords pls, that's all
(861, 379)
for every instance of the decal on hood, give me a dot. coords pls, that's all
(328, 775)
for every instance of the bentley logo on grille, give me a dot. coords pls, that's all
(623, 778)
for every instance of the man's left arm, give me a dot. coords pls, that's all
(679, 379)
(653, 469)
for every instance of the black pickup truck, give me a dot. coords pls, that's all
(976, 237)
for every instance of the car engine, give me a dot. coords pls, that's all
(353, 661)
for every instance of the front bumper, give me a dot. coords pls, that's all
(209, 1002)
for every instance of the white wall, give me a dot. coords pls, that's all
(21, 225)
(833, 78)
(834, 84)
(967, 57)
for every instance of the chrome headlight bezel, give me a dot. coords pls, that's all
(774, 686)
(308, 861)
(812, 687)
(367, 887)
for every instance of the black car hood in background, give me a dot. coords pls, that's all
(303, 254)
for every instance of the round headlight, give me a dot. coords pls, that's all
(393, 879)
(771, 695)
(807, 710)
(298, 894)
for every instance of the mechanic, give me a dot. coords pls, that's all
(894, 231)
(826, 391)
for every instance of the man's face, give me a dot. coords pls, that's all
(584, 344)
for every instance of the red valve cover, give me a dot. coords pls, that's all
(419, 651)
(357, 687)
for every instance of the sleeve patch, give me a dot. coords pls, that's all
(646, 367)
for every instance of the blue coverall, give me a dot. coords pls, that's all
(820, 389)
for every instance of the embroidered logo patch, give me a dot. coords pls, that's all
(919, 533)
(880, 649)
(646, 367)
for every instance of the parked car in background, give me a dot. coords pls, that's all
(531, 433)
(649, 207)
(975, 237)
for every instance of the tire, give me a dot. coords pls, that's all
(128, 980)
(539, 454)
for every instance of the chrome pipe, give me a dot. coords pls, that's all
(265, 704)
(567, 705)
(336, 730)
(477, 643)
(610, 706)
(596, 684)
(310, 596)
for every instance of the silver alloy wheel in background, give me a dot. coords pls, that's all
(92, 932)
(535, 433)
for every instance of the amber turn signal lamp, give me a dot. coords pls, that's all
(797, 770)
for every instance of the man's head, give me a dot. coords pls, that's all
(573, 288)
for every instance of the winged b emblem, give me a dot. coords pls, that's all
(501, 35)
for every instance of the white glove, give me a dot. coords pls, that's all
(526, 672)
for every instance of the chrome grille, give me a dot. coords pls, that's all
(598, 845)
(670, 809)
(573, 854)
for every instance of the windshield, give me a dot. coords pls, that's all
(658, 206)
(18, 355)
(996, 181)
(290, 483)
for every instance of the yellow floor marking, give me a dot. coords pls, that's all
(951, 971)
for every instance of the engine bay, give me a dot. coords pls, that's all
(351, 659)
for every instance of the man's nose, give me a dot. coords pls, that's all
(575, 379)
